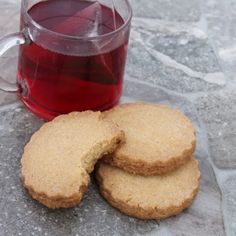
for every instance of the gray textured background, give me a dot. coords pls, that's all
(181, 53)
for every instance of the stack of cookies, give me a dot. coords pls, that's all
(143, 152)
(153, 175)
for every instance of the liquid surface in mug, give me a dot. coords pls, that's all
(52, 83)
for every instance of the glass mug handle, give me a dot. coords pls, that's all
(6, 43)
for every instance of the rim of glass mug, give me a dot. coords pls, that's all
(65, 36)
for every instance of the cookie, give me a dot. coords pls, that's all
(159, 139)
(59, 157)
(149, 197)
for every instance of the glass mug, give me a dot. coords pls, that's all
(72, 54)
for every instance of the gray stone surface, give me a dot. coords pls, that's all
(173, 56)
(9, 23)
(219, 18)
(9, 16)
(218, 113)
(178, 10)
(229, 193)
(181, 53)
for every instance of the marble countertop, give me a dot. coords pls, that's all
(181, 53)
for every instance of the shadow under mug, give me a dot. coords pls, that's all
(59, 72)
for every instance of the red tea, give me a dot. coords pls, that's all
(53, 83)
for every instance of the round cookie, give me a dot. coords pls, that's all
(59, 157)
(159, 139)
(149, 197)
